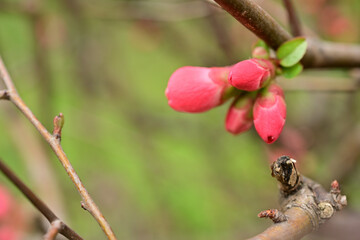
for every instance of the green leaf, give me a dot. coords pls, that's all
(292, 51)
(293, 71)
(261, 43)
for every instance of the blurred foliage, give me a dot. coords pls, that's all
(156, 173)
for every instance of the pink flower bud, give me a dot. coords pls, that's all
(239, 118)
(252, 74)
(5, 202)
(197, 89)
(8, 233)
(270, 113)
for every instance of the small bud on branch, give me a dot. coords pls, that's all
(58, 125)
(275, 215)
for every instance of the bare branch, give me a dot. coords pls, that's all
(6, 78)
(36, 159)
(319, 54)
(322, 54)
(56, 147)
(293, 18)
(53, 230)
(304, 204)
(320, 84)
(38, 204)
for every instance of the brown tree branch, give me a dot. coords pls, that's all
(319, 54)
(320, 84)
(293, 18)
(56, 147)
(38, 204)
(257, 20)
(304, 204)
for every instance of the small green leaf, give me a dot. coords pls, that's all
(293, 71)
(261, 43)
(292, 51)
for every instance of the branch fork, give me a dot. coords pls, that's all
(319, 54)
(53, 230)
(304, 204)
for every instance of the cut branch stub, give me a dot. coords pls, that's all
(285, 172)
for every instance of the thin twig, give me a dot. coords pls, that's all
(56, 147)
(319, 54)
(53, 230)
(293, 18)
(36, 159)
(38, 204)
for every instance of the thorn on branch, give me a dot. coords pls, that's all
(4, 95)
(275, 215)
(58, 125)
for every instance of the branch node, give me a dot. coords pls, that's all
(304, 203)
(54, 229)
(4, 94)
(275, 215)
(84, 206)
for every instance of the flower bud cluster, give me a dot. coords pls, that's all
(257, 100)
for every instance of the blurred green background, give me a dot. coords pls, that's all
(156, 173)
